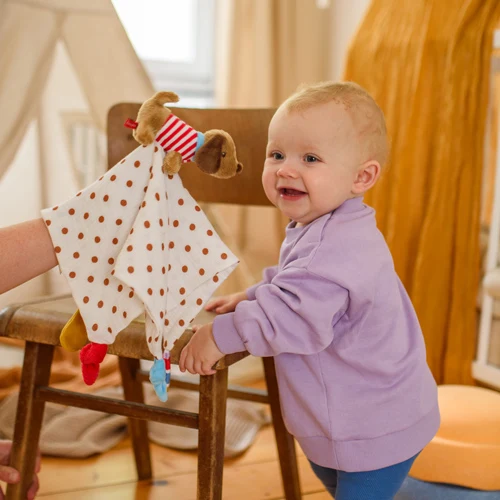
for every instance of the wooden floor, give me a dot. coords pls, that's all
(253, 476)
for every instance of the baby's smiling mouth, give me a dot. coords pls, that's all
(290, 192)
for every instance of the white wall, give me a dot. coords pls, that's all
(346, 16)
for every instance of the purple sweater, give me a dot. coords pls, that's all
(355, 388)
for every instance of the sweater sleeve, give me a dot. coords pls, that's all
(268, 274)
(295, 313)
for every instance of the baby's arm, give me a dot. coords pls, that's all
(293, 314)
(26, 251)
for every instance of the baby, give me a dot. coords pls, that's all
(355, 388)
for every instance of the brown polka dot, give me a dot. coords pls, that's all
(150, 339)
(106, 282)
(72, 274)
(106, 197)
(86, 215)
(199, 302)
(166, 322)
(216, 279)
(114, 309)
(55, 208)
(57, 249)
(109, 330)
(183, 303)
(181, 322)
(161, 222)
(171, 244)
(123, 203)
(150, 269)
(92, 196)
(223, 256)
(115, 241)
(205, 251)
(201, 271)
(182, 291)
(169, 267)
(131, 294)
(100, 304)
(156, 338)
(143, 204)
(184, 269)
(161, 314)
(147, 224)
(111, 261)
(197, 208)
(157, 196)
(71, 211)
(162, 247)
(130, 269)
(101, 219)
(113, 272)
(150, 168)
(163, 270)
(149, 247)
(132, 231)
(94, 259)
(124, 314)
(165, 343)
(130, 248)
(146, 189)
(192, 227)
(76, 255)
(151, 176)
(95, 326)
(129, 183)
(90, 279)
(64, 230)
(119, 222)
(162, 292)
(181, 201)
(86, 300)
(187, 248)
(101, 178)
(210, 232)
(112, 178)
(170, 176)
(97, 239)
(80, 236)
(48, 222)
(137, 164)
(150, 291)
(120, 288)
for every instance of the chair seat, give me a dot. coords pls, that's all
(42, 321)
(466, 449)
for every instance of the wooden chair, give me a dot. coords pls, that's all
(39, 324)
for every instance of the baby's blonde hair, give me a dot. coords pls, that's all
(366, 115)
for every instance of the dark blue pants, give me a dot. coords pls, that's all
(380, 484)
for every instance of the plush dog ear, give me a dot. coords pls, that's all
(208, 157)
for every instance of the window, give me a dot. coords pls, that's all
(175, 41)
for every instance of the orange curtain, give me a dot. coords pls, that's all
(427, 64)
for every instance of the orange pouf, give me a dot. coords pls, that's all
(466, 449)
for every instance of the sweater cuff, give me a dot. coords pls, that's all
(226, 336)
(251, 291)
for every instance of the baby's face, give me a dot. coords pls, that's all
(311, 161)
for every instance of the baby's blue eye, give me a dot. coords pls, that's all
(277, 156)
(310, 159)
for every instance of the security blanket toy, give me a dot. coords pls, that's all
(135, 241)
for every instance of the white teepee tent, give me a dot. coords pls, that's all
(63, 63)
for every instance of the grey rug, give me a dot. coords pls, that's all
(414, 489)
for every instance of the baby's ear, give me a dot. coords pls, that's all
(366, 177)
(208, 157)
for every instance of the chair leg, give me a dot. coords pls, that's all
(211, 433)
(29, 416)
(133, 391)
(284, 440)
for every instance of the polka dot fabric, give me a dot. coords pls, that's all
(136, 241)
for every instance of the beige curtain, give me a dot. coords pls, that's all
(104, 60)
(265, 49)
(427, 64)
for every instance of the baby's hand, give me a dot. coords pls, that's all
(226, 303)
(201, 352)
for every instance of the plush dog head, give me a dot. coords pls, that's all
(217, 156)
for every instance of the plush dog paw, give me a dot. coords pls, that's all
(91, 356)
(172, 162)
(157, 377)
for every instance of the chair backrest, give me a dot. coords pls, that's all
(248, 127)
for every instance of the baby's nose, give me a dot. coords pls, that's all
(287, 171)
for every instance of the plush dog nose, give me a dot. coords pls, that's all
(239, 168)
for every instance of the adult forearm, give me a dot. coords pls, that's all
(25, 252)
